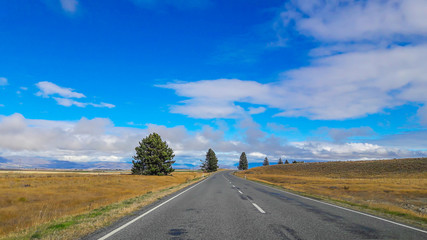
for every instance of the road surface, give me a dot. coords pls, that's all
(227, 207)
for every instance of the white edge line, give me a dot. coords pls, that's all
(142, 215)
(257, 207)
(350, 210)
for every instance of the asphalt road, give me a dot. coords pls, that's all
(227, 207)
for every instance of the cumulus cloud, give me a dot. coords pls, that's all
(213, 99)
(98, 140)
(344, 86)
(49, 89)
(84, 140)
(3, 81)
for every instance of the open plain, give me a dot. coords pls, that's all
(32, 198)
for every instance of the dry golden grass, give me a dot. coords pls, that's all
(28, 199)
(392, 186)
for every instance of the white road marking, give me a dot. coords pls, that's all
(257, 207)
(142, 215)
(350, 210)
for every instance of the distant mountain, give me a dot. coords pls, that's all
(30, 163)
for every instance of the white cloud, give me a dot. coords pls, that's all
(94, 140)
(208, 109)
(84, 140)
(256, 110)
(3, 81)
(48, 88)
(356, 20)
(103, 104)
(352, 151)
(223, 89)
(69, 102)
(69, 6)
(215, 98)
(66, 102)
(257, 154)
(349, 85)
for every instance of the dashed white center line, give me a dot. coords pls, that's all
(257, 207)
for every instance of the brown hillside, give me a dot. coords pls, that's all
(351, 169)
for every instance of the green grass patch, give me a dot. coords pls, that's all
(61, 226)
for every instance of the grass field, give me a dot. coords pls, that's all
(29, 199)
(392, 187)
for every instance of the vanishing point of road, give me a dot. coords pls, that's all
(227, 207)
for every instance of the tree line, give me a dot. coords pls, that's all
(154, 157)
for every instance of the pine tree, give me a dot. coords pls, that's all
(265, 163)
(286, 162)
(243, 162)
(153, 157)
(211, 162)
(280, 161)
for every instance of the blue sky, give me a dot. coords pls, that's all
(81, 82)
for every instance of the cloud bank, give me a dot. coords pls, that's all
(98, 140)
